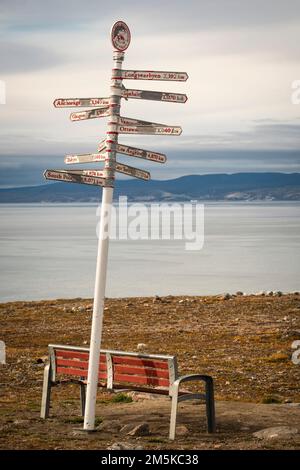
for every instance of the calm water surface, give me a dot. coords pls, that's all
(49, 251)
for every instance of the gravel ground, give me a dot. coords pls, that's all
(244, 342)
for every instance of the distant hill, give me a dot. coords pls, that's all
(230, 187)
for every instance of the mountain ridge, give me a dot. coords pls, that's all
(218, 186)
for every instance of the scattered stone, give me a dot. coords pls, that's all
(182, 430)
(77, 309)
(276, 432)
(157, 299)
(239, 292)
(113, 426)
(277, 293)
(269, 293)
(140, 430)
(261, 293)
(141, 347)
(124, 446)
(181, 301)
(226, 296)
(136, 396)
(42, 360)
(127, 428)
(21, 421)
(82, 434)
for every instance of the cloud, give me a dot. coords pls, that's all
(267, 134)
(22, 58)
(185, 16)
(25, 170)
(241, 58)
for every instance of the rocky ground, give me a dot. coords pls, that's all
(244, 342)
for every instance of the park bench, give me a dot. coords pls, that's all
(119, 370)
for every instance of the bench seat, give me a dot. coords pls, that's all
(121, 370)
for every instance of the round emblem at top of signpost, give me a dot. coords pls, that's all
(120, 36)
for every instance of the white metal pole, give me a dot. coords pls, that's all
(103, 243)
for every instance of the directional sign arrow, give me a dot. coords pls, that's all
(151, 130)
(93, 113)
(95, 173)
(78, 102)
(119, 167)
(149, 75)
(154, 95)
(85, 158)
(125, 121)
(65, 176)
(140, 153)
(131, 171)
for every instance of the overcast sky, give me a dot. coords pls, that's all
(242, 57)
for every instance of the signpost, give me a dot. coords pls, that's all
(93, 113)
(107, 150)
(85, 158)
(149, 75)
(73, 177)
(131, 171)
(154, 95)
(140, 153)
(150, 130)
(78, 102)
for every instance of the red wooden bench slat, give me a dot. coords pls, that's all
(141, 380)
(141, 371)
(77, 364)
(75, 354)
(140, 362)
(72, 354)
(78, 372)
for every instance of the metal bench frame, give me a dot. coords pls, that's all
(173, 391)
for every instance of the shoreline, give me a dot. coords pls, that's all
(220, 296)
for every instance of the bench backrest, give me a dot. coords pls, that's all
(116, 367)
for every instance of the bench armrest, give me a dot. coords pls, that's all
(191, 377)
(209, 400)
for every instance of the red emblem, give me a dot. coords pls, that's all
(120, 36)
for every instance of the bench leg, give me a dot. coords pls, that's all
(174, 412)
(210, 405)
(209, 401)
(46, 392)
(82, 398)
